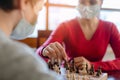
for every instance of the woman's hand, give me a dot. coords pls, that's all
(80, 61)
(55, 51)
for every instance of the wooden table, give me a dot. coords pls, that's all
(114, 75)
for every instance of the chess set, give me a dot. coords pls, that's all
(70, 72)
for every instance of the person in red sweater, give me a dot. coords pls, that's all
(85, 39)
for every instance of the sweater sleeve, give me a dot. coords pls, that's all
(56, 36)
(113, 65)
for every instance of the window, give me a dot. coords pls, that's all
(60, 14)
(57, 11)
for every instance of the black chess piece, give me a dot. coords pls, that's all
(87, 69)
(92, 71)
(72, 66)
(66, 65)
(77, 69)
(50, 65)
(99, 71)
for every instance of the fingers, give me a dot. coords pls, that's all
(63, 53)
(55, 50)
(50, 52)
(81, 61)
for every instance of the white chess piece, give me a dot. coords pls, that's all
(68, 73)
(56, 68)
(84, 71)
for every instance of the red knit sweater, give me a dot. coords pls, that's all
(94, 49)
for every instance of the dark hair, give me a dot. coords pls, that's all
(7, 5)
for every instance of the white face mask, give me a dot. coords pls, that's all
(22, 30)
(89, 12)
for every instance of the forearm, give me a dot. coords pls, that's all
(107, 66)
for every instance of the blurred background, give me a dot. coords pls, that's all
(58, 11)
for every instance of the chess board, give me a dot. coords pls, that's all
(70, 72)
(75, 76)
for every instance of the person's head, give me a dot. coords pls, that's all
(26, 12)
(89, 8)
(27, 8)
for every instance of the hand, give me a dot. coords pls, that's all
(80, 61)
(55, 50)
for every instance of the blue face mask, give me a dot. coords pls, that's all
(22, 30)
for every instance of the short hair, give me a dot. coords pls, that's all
(7, 5)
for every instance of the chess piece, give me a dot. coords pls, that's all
(74, 76)
(77, 70)
(92, 71)
(99, 72)
(87, 69)
(56, 69)
(50, 65)
(68, 73)
(66, 65)
(84, 71)
(72, 67)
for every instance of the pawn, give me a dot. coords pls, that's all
(87, 69)
(99, 72)
(68, 73)
(50, 65)
(77, 70)
(92, 71)
(56, 68)
(66, 65)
